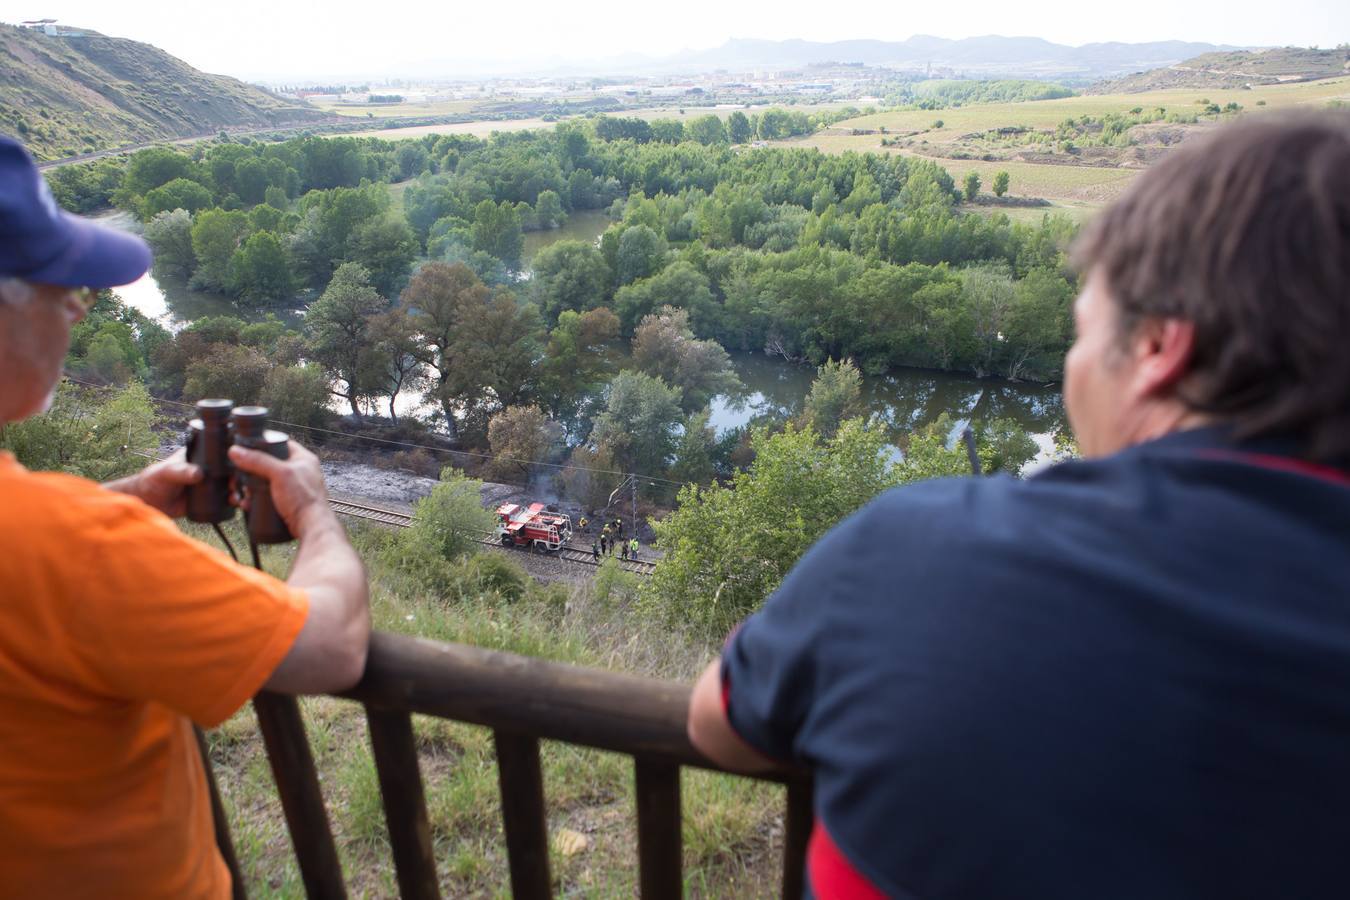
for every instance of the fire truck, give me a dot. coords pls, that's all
(532, 526)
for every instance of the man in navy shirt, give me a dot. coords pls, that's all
(1129, 676)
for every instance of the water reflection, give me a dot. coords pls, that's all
(903, 400)
(585, 225)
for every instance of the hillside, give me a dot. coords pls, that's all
(1235, 69)
(72, 94)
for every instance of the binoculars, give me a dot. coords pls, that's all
(219, 424)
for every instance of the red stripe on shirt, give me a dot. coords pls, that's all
(1283, 464)
(832, 876)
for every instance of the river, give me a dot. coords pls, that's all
(902, 399)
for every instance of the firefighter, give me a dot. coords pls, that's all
(623, 550)
(581, 525)
(633, 548)
(595, 551)
(604, 540)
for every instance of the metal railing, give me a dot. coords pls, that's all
(523, 700)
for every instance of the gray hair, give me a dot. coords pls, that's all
(15, 291)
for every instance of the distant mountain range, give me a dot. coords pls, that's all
(987, 56)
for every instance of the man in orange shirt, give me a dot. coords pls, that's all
(117, 631)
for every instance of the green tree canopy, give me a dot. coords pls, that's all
(639, 422)
(835, 396)
(665, 347)
(340, 334)
(568, 275)
(728, 547)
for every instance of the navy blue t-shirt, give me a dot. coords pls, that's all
(1121, 678)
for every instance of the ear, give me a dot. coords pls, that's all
(1162, 355)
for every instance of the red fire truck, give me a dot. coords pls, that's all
(532, 526)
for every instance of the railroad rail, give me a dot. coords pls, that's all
(575, 555)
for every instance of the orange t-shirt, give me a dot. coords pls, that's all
(116, 630)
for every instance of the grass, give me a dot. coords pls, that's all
(1076, 189)
(1049, 113)
(732, 826)
(397, 110)
(486, 127)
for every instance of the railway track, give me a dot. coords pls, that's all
(574, 555)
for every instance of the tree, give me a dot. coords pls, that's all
(497, 355)
(386, 247)
(436, 294)
(694, 451)
(835, 396)
(638, 423)
(106, 359)
(86, 433)
(972, 186)
(568, 275)
(738, 128)
(548, 211)
(578, 360)
(396, 348)
(340, 334)
(147, 170)
(260, 271)
(177, 194)
(216, 235)
(1039, 324)
(679, 285)
(231, 371)
(665, 347)
(706, 130)
(641, 254)
(451, 519)
(169, 235)
(297, 395)
(987, 292)
(727, 548)
(519, 436)
(1000, 183)
(496, 231)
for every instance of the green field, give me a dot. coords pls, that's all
(487, 126)
(1072, 186)
(1049, 113)
(398, 110)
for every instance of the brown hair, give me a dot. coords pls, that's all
(1246, 234)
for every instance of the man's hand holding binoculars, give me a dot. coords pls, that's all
(298, 491)
(162, 484)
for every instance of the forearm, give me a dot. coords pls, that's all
(127, 485)
(332, 646)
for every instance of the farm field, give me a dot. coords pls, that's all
(1071, 186)
(477, 129)
(1049, 113)
(398, 110)
(487, 126)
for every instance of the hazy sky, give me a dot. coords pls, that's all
(281, 40)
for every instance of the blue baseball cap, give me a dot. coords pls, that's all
(41, 243)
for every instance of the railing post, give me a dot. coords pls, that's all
(283, 734)
(522, 786)
(660, 845)
(223, 842)
(405, 808)
(798, 821)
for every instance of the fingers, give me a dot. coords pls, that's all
(179, 472)
(255, 462)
